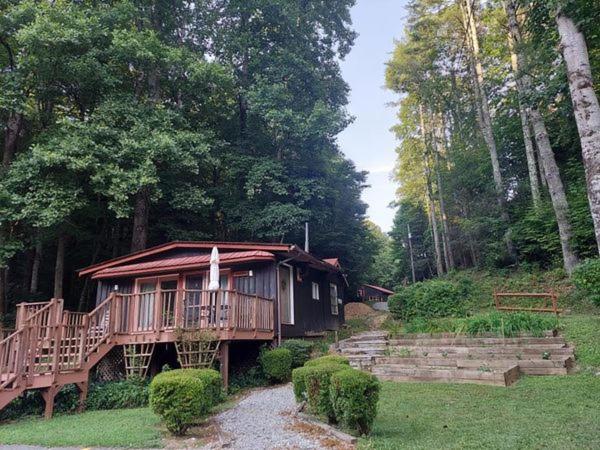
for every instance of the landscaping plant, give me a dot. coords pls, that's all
(300, 349)
(317, 379)
(354, 395)
(277, 364)
(428, 299)
(181, 397)
(328, 359)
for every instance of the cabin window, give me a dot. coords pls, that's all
(315, 291)
(333, 297)
(286, 294)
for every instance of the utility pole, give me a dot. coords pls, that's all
(410, 249)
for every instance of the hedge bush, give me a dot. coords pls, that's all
(300, 349)
(317, 380)
(586, 278)
(277, 364)
(354, 396)
(328, 359)
(131, 393)
(180, 397)
(428, 299)
(299, 382)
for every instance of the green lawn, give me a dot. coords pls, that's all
(542, 412)
(116, 428)
(536, 412)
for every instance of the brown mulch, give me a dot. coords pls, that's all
(355, 310)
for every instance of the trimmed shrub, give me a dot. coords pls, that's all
(317, 380)
(354, 396)
(586, 278)
(180, 398)
(299, 382)
(300, 351)
(277, 364)
(328, 359)
(428, 299)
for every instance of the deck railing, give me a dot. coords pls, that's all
(50, 341)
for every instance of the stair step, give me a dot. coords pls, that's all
(455, 335)
(447, 375)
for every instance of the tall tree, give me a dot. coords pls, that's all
(585, 107)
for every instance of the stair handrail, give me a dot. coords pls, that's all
(92, 341)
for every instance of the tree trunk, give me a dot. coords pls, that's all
(439, 148)
(430, 204)
(550, 168)
(514, 39)
(35, 269)
(139, 236)
(483, 114)
(585, 108)
(14, 125)
(59, 267)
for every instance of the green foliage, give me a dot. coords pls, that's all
(251, 377)
(583, 332)
(317, 380)
(300, 350)
(132, 393)
(328, 359)
(182, 397)
(586, 278)
(500, 323)
(277, 364)
(354, 396)
(429, 299)
(299, 375)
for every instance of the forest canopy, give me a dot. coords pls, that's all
(131, 123)
(496, 127)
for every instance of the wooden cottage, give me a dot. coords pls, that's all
(157, 301)
(372, 293)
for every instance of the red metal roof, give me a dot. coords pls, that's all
(333, 261)
(182, 263)
(379, 288)
(267, 247)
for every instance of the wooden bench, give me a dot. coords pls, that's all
(545, 296)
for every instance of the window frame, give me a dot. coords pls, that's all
(333, 299)
(316, 289)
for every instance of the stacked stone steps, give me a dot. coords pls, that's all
(458, 358)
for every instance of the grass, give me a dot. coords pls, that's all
(115, 428)
(542, 412)
(584, 333)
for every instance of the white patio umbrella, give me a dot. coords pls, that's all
(213, 281)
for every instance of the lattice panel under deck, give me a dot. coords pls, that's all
(137, 359)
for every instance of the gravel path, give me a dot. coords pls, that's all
(264, 420)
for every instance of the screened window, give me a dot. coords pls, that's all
(315, 291)
(333, 297)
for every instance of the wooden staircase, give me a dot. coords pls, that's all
(457, 358)
(52, 347)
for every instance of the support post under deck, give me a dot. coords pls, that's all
(48, 395)
(224, 363)
(83, 392)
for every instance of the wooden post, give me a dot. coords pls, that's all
(83, 392)
(255, 324)
(224, 363)
(48, 395)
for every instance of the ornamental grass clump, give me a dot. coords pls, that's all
(182, 397)
(354, 396)
(277, 364)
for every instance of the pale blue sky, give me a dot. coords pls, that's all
(368, 141)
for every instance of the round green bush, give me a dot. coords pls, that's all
(300, 349)
(328, 359)
(317, 380)
(428, 299)
(299, 382)
(277, 364)
(180, 398)
(586, 278)
(354, 396)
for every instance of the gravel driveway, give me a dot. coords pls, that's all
(264, 420)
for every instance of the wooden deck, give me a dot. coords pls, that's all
(52, 347)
